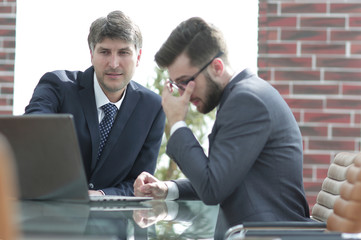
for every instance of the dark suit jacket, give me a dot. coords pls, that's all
(134, 141)
(254, 166)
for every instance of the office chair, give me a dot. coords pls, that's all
(8, 192)
(346, 216)
(326, 198)
(331, 186)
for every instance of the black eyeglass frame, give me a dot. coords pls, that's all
(192, 78)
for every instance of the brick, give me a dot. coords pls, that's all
(333, 62)
(6, 79)
(297, 115)
(275, 21)
(357, 118)
(7, 90)
(311, 158)
(283, 75)
(346, 132)
(332, 145)
(3, 55)
(7, 56)
(345, 8)
(311, 131)
(267, 35)
(355, 21)
(304, 103)
(323, 48)
(9, 43)
(345, 35)
(7, 21)
(323, 22)
(7, 32)
(321, 172)
(312, 186)
(283, 89)
(317, 117)
(264, 74)
(303, 8)
(305, 35)
(285, 62)
(277, 48)
(315, 89)
(311, 199)
(267, 8)
(341, 75)
(7, 67)
(351, 89)
(343, 104)
(5, 9)
(6, 112)
(307, 172)
(355, 48)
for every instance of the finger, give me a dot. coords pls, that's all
(188, 91)
(166, 89)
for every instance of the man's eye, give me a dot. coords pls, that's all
(182, 82)
(104, 52)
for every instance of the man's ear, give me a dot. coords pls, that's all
(138, 56)
(218, 66)
(91, 56)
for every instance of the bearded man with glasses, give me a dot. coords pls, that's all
(253, 169)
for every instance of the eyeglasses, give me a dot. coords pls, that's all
(182, 84)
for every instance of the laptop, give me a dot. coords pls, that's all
(48, 159)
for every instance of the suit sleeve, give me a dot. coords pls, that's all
(146, 159)
(47, 95)
(240, 132)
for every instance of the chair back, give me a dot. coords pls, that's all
(331, 186)
(346, 216)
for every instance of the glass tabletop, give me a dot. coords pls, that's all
(117, 220)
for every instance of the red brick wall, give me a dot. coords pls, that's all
(311, 52)
(7, 54)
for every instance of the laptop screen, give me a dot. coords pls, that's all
(48, 158)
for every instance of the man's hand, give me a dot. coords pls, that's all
(146, 218)
(176, 108)
(95, 193)
(146, 185)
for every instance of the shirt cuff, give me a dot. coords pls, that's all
(177, 125)
(172, 210)
(173, 192)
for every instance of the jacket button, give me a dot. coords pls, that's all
(91, 186)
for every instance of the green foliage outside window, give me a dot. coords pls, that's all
(199, 123)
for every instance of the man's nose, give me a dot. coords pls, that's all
(114, 61)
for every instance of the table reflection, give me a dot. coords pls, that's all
(122, 220)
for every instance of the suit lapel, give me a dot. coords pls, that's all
(227, 90)
(129, 103)
(86, 92)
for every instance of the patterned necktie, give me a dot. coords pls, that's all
(106, 124)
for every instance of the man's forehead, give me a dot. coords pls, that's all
(181, 68)
(111, 42)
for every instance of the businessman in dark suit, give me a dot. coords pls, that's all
(254, 166)
(134, 140)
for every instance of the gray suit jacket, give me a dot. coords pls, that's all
(254, 165)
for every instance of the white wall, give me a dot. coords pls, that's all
(52, 35)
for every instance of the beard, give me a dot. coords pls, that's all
(214, 92)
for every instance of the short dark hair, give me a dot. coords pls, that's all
(115, 26)
(199, 40)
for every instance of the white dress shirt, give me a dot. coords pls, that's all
(101, 98)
